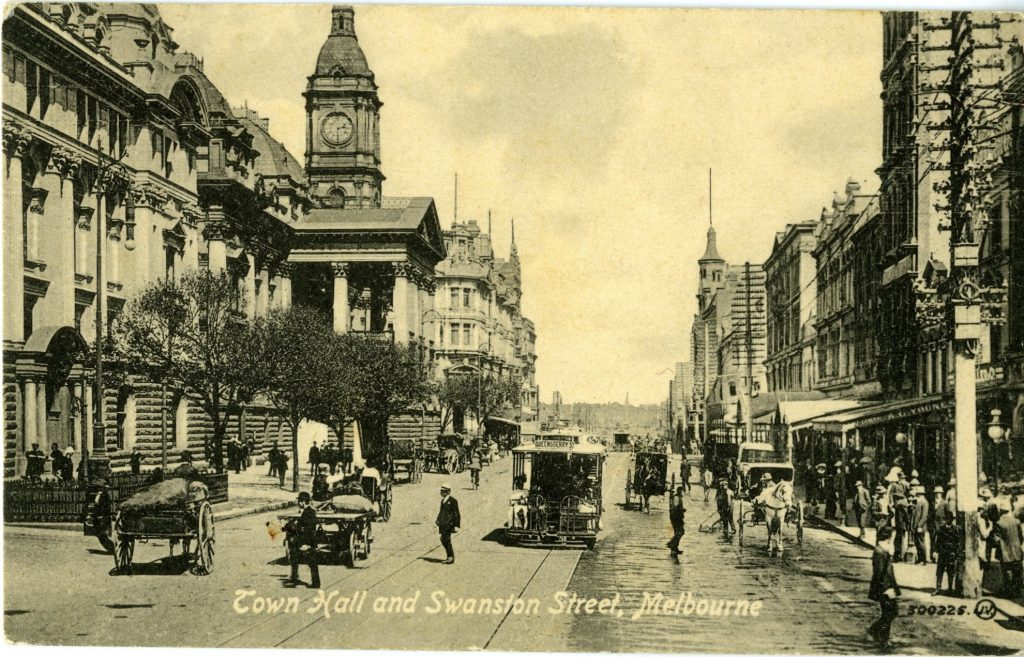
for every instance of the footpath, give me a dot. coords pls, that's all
(917, 581)
(250, 492)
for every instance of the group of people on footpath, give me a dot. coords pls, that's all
(330, 456)
(62, 464)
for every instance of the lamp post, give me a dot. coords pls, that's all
(996, 433)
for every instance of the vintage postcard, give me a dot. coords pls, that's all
(520, 329)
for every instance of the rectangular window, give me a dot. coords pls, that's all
(30, 306)
(31, 85)
(465, 297)
(466, 340)
(169, 263)
(82, 113)
(455, 335)
(216, 155)
(92, 112)
(45, 89)
(455, 297)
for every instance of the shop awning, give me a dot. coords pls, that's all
(879, 414)
(503, 420)
(800, 414)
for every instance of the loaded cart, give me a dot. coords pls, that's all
(344, 527)
(175, 510)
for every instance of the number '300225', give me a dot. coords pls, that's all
(936, 610)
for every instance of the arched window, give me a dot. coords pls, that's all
(181, 423)
(336, 198)
(125, 416)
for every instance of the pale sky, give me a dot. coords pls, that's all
(595, 129)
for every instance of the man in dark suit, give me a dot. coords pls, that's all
(677, 516)
(302, 533)
(136, 460)
(448, 521)
(884, 590)
(1010, 536)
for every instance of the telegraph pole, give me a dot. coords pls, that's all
(962, 301)
(750, 364)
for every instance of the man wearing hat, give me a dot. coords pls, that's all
(448, 521)
(919, 524)
(883, 589)
(35, 462)
(1011, 536)
(900, 509)
(302, 534)
(677, 516)
(861, 505)
(723, 500)
(101, 512)
(880, 507)
(819, 485)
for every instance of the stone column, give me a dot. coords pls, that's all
(341, 271)
(15, 143)
(250, 286)
(284, 288)
(400, 306)
(215, 234)
(41, 413)
(263, 300)
(57, 239)
(30, 415)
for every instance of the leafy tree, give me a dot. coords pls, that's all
(296, 341)
(190, 334)
(454, 392)
(384, 379)
(480, 396)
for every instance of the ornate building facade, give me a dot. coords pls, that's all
(477, 323)
(791, 291)
(112, 135)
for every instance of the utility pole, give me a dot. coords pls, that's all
(750, 364)
(960, 301)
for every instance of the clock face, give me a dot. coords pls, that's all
(336, 128)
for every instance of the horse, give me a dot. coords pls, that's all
(775, 501)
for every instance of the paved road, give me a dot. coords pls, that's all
(57, 588)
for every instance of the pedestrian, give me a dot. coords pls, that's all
(947, 551)
(302, 534)
(723, 500)
(100, 514)
(314, 458)
(136, 460)
(282, 466)
(708, 480)
(884, 590)
(56, 456)
(330, 458)
(861, 505)
(232, 449)
(685, 472)
(935, 510)
(35, 461)
(243, 447)
(272, 459)
(448, 521)
(1011, 535)
(474, 469)
(320, 489)
(898, 500)
(677, 516)
(67, 464)
(919, 524)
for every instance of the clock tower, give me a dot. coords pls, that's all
(343, 121)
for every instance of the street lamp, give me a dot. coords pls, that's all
(996, 433)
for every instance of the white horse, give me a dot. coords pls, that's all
(775, 501)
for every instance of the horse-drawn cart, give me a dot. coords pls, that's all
(347, 535)
(649, 475)
(175, 510)
(765, 495)
(447, 455)
(407, 457)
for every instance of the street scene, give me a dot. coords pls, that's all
(279, 371)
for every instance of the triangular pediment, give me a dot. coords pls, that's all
(430, 230)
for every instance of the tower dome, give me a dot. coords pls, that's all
(341, 54)
(711, 252)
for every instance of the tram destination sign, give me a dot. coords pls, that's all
(554, 443)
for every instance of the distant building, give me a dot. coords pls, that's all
(703, 330)
(791, 291)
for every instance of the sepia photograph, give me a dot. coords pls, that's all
(519, 329)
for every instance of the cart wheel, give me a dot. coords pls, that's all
(364, 553)
(350, 545)
(800, 523)
(204, 540)
(124, 550)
